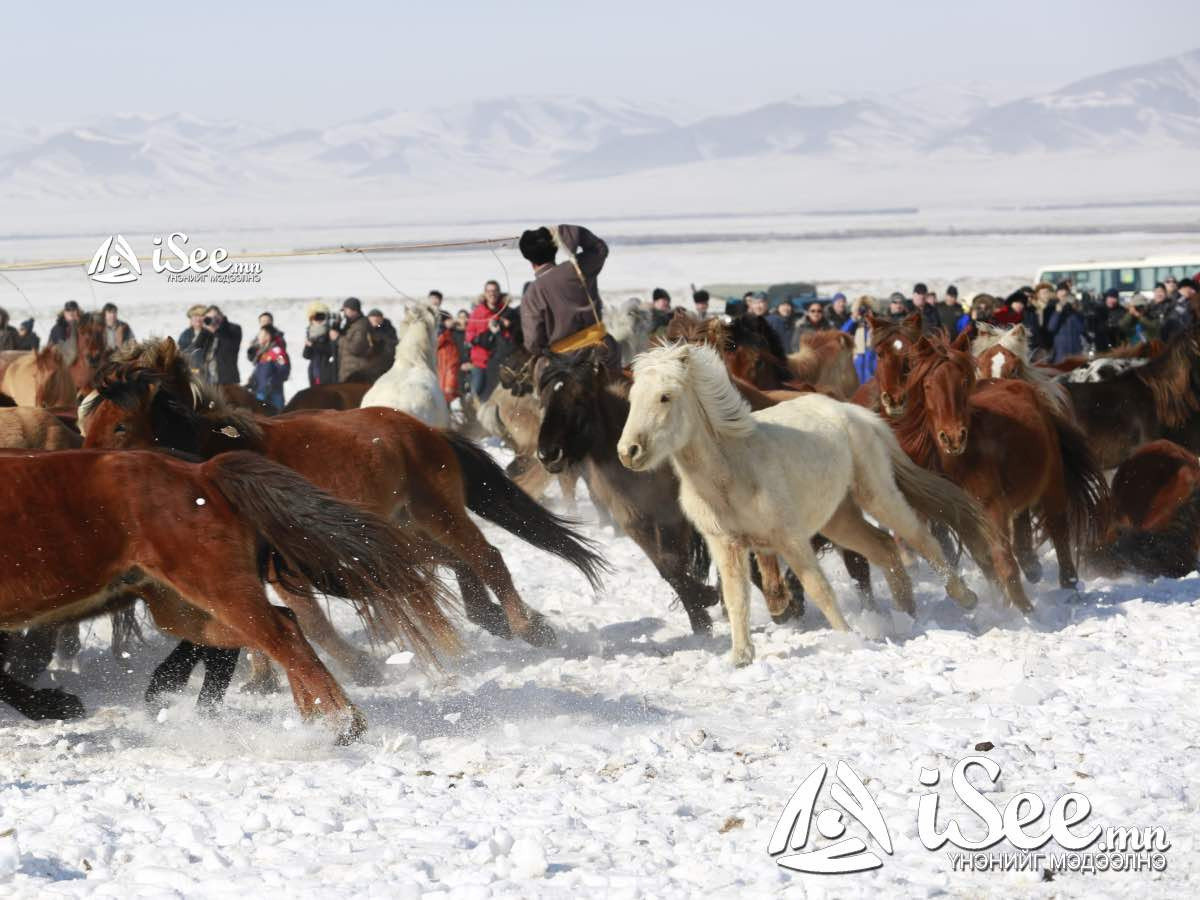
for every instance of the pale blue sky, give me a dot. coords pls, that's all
(296, 63)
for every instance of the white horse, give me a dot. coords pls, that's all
(411, 384)
(770, 480)
(630, 326)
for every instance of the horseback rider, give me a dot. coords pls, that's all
(561, 309)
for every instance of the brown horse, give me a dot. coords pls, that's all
(36, 378)
(195, 542)
(1144, 350)
(825, 359)
(1007, 448)
(347, 395)
(385, 460)
(1155, 523)
(892, 343)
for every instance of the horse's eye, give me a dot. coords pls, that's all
(118, 428)
(665, 398)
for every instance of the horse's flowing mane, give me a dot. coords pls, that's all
(912, 428)
(1173, 378)
(699, 369)
(127, 378)
(417, 345)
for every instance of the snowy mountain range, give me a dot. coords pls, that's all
(570, 138)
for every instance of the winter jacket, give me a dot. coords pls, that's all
(865, 358)
(321, 354)
(1177, 318)
(354, 349)
(117, 336)
(556, 304)
(449, 365)
(479, 336)
(383, 347)
(782, 326)
(252, 350)
(271, 369)
(931, 321)
(62, 335)
(1106, 328)
(1067, 330)
(214, 354)
(948, 316)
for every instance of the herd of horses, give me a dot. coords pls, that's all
(713, 447)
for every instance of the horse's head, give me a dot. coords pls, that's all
(144, 397)
(947, 376)
(53, 385)
(997, 361)
(568, 388)
(516, 372)
(893, 344)
(91, 350)
(658, 423)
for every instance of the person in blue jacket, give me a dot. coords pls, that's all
(858, 326)
(1067, 330)
(271, 368)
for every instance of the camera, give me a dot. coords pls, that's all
(320, 317)
(210, 320)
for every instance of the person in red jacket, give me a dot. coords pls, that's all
(482, 330)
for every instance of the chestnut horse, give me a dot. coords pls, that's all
(892, 343)
(1008, 449)
(195, 542)
(386, 460)
(1155, 523)
(346, 395)
(36, 378)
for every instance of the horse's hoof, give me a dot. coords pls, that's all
(961, 594)
(538, 632)
(262, 684)
(792, 611)
(1034, 573)
(492, 620)
(353, 729)
(743, 657)
(51, 703)
(701, 622)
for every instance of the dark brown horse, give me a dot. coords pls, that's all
(385, 460)
(347, 395)
(1008, 449)
(1158, 400)
(582, 418)
(195, 542)
(1155, 523)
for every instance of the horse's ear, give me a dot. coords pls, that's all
(913, 320)
(923, 347)
(1017, 334)
(597, 357)
(962, 342)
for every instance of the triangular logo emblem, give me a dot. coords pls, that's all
(115, 262)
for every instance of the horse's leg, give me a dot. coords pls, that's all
(219, 665)
(173, 673)
(672, 564)
(567, 484)
(773, 589)
(1059, 528)
(67, 645)
(358, 664)
(1003, 561)
(238, 614)
(478, 605)
(858, 567)
(733, 565)
(30, 653)
(1023, 547)
(33, 703)
(849, 529)
(263, 678)
(800, 556)
(883, 500)
(455, 531)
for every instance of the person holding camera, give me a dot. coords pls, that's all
(214, 350)
(1066, 329)
(319, 349)
(353, 341)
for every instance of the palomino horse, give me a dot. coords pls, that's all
(1158, 400)
(387, 461)
(35, 429)
(411, 385)
(195, 541)
(1007, 447)
(1155, 524)
(38, 378)
(771, 480)
(582, 417)
(1004, 353)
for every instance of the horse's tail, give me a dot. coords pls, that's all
(940, 500)
(1170, 551)
(492, 495)
(319, 543)
(1088, 498)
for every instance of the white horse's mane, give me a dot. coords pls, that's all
(699, 370)
(1016, 341)
(416, 345)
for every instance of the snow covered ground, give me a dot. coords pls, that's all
(630, 761)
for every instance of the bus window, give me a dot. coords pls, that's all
(1126, 279)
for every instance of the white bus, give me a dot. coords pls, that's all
(1126, 276)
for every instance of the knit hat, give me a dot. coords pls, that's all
(27, 325)
(198, 309)
(315, 307)
(375, 312)
(353, 303)
(660, 294)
